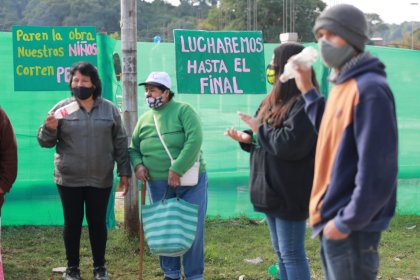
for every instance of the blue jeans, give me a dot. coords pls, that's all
(355, 257)
(193, 260)
(288, 238)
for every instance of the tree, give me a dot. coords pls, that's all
(306, 13)
(153, 19)
(104, 14)
(46, 12)
(376, 26)
(11, 13)
(270, 19)
(230, 15)
(160, 18)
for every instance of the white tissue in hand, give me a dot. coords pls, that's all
(66, 110)
(306, 58)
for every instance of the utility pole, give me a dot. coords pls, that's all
(129, 81)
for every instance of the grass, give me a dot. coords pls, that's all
(30, 253)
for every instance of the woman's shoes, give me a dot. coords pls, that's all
(100, 273)
(167, 278)
(72, 273)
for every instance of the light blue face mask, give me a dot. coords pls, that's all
(334, 57)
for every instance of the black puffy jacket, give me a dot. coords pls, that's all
(282, 165)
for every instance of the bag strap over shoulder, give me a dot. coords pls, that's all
(161, 139)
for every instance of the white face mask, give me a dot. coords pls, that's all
(334, 57)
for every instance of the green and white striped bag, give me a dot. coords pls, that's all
(170, 226)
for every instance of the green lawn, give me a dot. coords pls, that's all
(30, 253)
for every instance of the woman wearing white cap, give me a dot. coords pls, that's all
(181, 130)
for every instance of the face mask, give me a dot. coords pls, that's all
(82, 92)
(154, 102)
(270, 73)
(333, 56)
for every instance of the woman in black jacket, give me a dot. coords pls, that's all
(282, 142)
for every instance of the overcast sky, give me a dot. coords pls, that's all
(390, 11)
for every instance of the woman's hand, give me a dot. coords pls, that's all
(51, 122)
(238, 135)
(251, 121)
(174, 180)
(142, 173)
(124, 182)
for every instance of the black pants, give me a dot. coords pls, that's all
(73, 200)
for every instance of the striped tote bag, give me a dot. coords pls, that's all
(170, 226)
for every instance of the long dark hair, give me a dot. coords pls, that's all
(87, 69)
(282, 96)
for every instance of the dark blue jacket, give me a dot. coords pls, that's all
(356, 159)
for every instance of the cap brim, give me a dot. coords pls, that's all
(151, 83)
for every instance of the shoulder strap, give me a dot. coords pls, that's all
(161, 139)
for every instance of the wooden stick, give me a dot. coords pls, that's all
(143, 201)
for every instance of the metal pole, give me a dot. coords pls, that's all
(247, 15)
(412, 27)
(255, 15)
(412, 34)
(129, 81)
(284, 16)
(141, 258)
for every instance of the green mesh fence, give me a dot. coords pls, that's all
(34, 199)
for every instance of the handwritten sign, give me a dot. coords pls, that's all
(219, 62)
(43, 55)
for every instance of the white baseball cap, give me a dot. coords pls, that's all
(158, 79)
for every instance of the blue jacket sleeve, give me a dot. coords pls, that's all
(314, 107)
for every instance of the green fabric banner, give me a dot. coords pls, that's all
(43, 55)
(220, 62)
(34, 198)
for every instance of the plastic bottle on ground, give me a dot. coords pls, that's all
(66, 110)
(306, 57)
(273, 270)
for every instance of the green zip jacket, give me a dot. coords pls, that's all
(181, 130)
